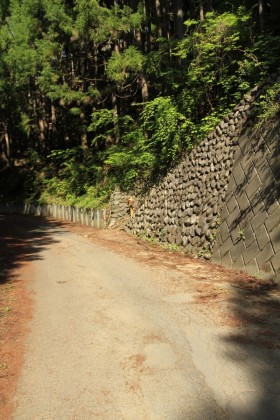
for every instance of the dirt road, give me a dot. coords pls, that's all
(123, 331)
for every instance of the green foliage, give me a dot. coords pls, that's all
(102, 24)
(66, 95)
(75, 170)
(125, 64)
(32, 175)
(102, 126)
(221, 64)
(269, 105)
(127, 165)
(166, 130)
(165, 72)
(92, 197)
(25, 123)
(144, 150)
(100, 119)
(132, 158)
(266, 52)
(71, 178)
(171, 247)
(241, 235)
(63, 84)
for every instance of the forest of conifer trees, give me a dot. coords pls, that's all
(96, 94)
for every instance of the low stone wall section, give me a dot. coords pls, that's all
(118, 207)
(88, 217)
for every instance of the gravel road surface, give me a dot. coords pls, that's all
(112, 338)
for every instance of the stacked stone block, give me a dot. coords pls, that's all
(118, 207)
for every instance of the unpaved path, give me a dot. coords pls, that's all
(121, 330)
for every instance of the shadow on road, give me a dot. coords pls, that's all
(255, 346)
(22, 238)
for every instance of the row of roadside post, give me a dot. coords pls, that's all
(97, 218)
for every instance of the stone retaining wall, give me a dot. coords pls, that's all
(184, 209)
(249, 234)
(187, 207)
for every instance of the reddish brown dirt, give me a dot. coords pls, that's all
(249, 306)
(15, 310)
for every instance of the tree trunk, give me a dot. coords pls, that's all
(261, 15)
(165, 19)
(42, 127)
(115, 108)
(116, 115)
(179, 19)
(144, 89)
(64, 140)
(159, 18)
(147, 14)
(53, 118)
(201, 10)
(41, 119)
(8, 146)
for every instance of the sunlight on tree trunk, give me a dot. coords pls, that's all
(159, 17)
(8, 145)
(42, 129)
(144, 89)
(201, 10)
